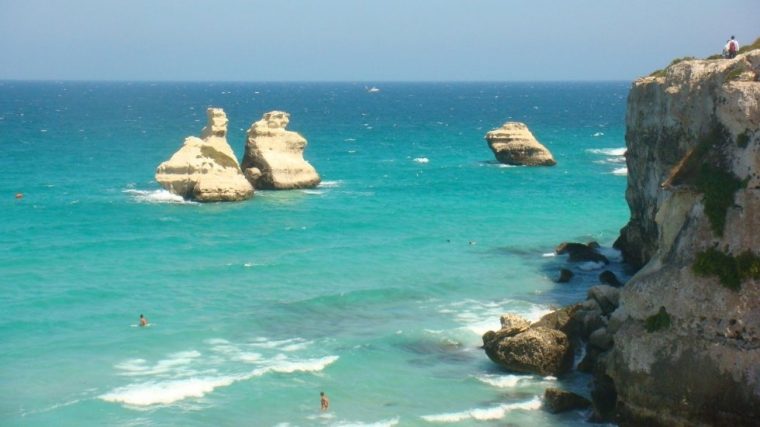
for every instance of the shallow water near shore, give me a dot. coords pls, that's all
(374, 287)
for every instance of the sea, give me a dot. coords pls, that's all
(374, 287)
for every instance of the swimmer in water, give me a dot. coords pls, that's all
(143, 321)
(324, 401)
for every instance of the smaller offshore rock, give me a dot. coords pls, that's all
(274, 156)
(578, 252)
(514, 144)
(205, 169)
(565, 275)
(557, 400)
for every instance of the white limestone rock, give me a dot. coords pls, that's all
(205, 169)
(274, 156)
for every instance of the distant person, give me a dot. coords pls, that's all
(143, 321)
(732, 47)
(324, 401)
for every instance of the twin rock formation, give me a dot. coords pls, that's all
(206, 169)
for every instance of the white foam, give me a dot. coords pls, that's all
(549, 255)
(308, 365)
(484, 414)
(315, 192)
(330, 184)
(422, 160)
(383, 423)
(155, 196)
(502, 381)
(599, 134)
(480, 317)
(620, 171)
(608, 151)
(612, 254)
(591, 265)
(166, 392)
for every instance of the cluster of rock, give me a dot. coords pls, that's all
(549, 345)
(206, 169)
(514, 144)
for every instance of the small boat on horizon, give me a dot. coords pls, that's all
(373, 89)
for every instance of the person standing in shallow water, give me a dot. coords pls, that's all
(324, 401)
(143, 321)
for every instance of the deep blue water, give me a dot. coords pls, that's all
(374, 287)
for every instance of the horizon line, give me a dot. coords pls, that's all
(365, 82)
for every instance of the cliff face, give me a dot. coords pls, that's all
(687, 339)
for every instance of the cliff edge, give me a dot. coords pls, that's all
(687, 333)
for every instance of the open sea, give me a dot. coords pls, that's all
(374, 287)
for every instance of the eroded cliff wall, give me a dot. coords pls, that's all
(687, 337)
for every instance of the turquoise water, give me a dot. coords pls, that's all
(374, 287)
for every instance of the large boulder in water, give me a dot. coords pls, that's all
(274, 156)
(537, 350)
(514, 144)
(206, 169)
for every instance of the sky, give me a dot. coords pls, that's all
(361, 40)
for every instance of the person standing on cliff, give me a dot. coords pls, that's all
(732, 47)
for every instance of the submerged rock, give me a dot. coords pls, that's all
(514, 144)
(205, 169)
(565, 275)
(274, 156)
(608, 278)
(578, 252)
(557, 400)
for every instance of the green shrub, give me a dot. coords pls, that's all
(748, 265)
(713, 262)
(716, 56)
(718, 187)
(743, 139)
(658, 321)
(735, 72)
(753, 46)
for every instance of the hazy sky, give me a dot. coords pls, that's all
(361, 40)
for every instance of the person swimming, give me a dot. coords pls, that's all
(324, 401)
(143, 321)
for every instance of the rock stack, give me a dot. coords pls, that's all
(514, 144)
(205, 169)
(274, 156)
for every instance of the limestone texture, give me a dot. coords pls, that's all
(557, 400)
(205, 169)
(274, 156)
(703, 368)
(514, 144)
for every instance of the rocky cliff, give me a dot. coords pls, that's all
(687, 333)
(206, 169)
(274, 156)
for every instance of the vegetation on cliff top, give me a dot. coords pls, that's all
(754, 45)
(731, 271)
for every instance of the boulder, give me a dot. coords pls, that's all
(561, 319)
(205, 169)
(608, 278)
(601, 339)
(578, 252)
(274, 156)
(606, 296)
(538, 350)
(514, 144)
(514, 322)
(565, 275)
(558, 400)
